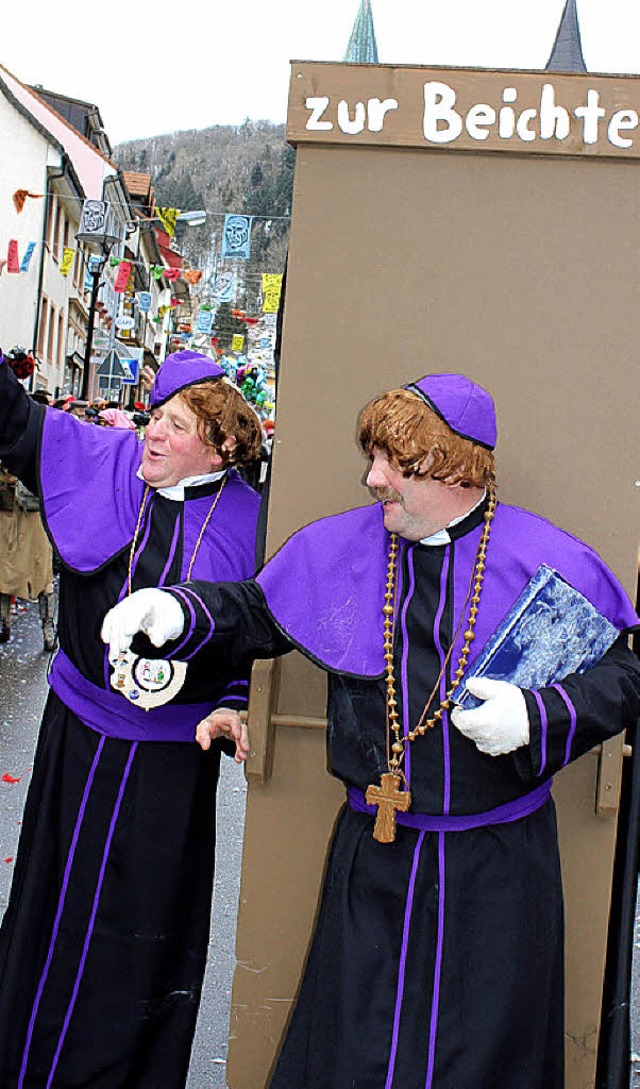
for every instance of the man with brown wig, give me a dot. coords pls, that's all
(437, 958)
(104, 941)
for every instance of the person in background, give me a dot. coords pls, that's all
(437, 958)
(104, 941)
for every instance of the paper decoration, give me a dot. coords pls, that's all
(204, 322)
(168, 217)
(156, 271)
(192, 275)
(122, 277)
(13, 264)
(20, 196)
(93, 262)
(236, 236)
(26, 257)
(144, 302)
(66, 264)
(271, 289)
(171, 274)
(237, 342)
(224, 287)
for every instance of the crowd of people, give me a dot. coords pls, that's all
(437, 956)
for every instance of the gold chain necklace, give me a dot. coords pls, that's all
(388, 797)
(134, 542)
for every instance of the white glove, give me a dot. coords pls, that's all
(501, 723)
(153, 612)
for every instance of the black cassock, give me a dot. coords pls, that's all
(437, 960)
(103, 944)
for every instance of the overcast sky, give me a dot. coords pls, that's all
(195, 65)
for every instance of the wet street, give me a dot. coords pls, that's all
(23, 688)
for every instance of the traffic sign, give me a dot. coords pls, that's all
(111, 366)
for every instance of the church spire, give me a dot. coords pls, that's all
(362, 48)
(566, 55)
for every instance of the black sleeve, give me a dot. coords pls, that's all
(571, 717)
(21, 422)
(226, 619)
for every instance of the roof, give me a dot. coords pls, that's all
(566, 55)
(138, 185)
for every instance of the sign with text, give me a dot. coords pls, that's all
(465, 109)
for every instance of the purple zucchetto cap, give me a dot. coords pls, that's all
(179, 370)
(466, 407)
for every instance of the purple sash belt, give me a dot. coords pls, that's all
(111, 714)
(425, 822)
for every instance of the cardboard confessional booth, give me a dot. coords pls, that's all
(445, 220)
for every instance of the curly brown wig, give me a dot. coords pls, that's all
(419, 443)
(222, 411)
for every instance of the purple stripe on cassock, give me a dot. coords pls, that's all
(185, 595)
(447, 822)
(446, 753)
(106, 667)
(404, 670)
(403, 962)
(94, 911)
(437, 972)
(172, 552)
(230, 699)
(543, 730)
(236, 684)
(573, 721)
(60, 908)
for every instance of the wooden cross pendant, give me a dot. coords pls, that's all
(388, 798)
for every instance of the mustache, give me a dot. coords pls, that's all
(382, 495)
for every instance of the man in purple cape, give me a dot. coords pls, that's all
(437, 959)
(103, 944)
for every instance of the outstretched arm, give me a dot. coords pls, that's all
(20, 424)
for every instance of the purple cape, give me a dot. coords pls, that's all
(91, 498)
(325, 587)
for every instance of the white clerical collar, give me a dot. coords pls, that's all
(441, 537)
(176, 491)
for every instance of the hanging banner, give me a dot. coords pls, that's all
(144, 301)
(224, 287)
(67, 260)
(204, 322)
(93, 263)
(236, 236)
(171, 274)
(156, 271)
(168, 217)
(13, 264)
(192, 275)
(271, 290)
(122, 277)
(26, 257)
(20, 196)
(237, 342)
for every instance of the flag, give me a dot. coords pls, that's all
(93, 263)
(122, 277)
(144, 302)
(192, 276)
(271, 289)
(204, 323)
(168, 217)
(237, 342)
(26, 257)
(13, 264)
(171, 274)
(20, 196)
(236, 236)
(224, 287)
(67, 260)
(156, 271)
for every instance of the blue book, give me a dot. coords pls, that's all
(549, 632)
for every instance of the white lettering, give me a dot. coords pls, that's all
(318, 106)
(522, 128)
(507, 122)
(509, 94)
(352, 128)
(439, 100)
(554, 120)
(623, 119)
(591, 113)
(377, 111)
(478, 115)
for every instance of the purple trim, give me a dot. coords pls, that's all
(572, 724)
(236, 684)
(446, 752)
(404, 671)
(427, 822)
(205, 638)
(230, 699)
(94, 911)
(109, 713)
(543, 730)
(403, 961)
(437, 972)
(60, 908)
(172, 551)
